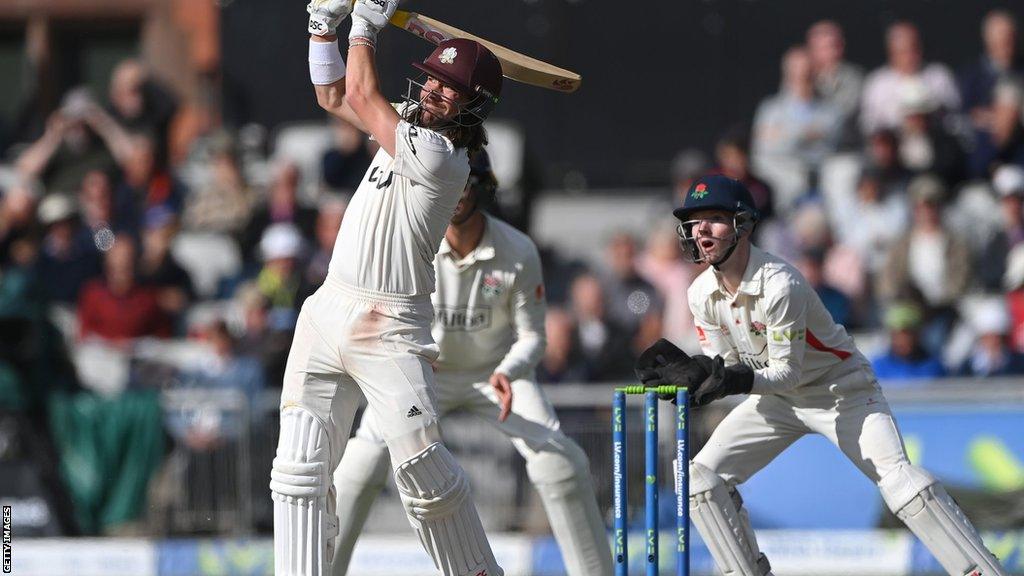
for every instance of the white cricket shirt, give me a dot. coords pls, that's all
(398, 215)
(776, 324)
(489, 306)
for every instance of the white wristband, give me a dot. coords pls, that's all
(325, 63)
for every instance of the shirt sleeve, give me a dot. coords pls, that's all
(786, 320)
(714, 340)
(529, 306)
(427, 157)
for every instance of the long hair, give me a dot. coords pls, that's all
(472, 138)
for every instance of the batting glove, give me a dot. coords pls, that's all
(325, 15)
(370, 16)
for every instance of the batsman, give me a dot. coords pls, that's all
(366, 331)
(489, 309)
(766, 335)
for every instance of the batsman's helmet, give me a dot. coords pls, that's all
(470, 68)
(715, 192)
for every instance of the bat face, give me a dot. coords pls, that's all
(514, 66)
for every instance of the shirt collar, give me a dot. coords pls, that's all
(753, 276)
(483, 251)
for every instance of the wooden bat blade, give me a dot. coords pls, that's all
(514, 66)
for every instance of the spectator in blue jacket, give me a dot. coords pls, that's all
(906, 359)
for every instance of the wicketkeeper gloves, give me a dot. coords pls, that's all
(707, 379)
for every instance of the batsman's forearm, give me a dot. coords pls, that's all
(331, 97)
(361, 82)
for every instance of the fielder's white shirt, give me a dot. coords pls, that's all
(489, 306)
(397, 218)
(776, 324)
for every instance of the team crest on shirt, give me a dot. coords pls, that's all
(758, 328)
(492, 286)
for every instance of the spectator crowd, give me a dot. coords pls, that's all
(898, 192)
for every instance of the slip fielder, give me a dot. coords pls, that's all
(765, 333)
(489, 310)
(366, 331)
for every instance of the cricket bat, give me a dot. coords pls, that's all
(514, 66)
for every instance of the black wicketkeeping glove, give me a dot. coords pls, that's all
(663, 364)
(723, 381)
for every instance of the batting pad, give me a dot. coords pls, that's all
(362, 474)
(562, 479)
(932, 515)
(437, 499)
(304, 520)
(724, 525)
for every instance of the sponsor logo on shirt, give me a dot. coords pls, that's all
(788, 335)
(463, 319)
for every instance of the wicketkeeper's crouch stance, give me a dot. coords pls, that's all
(766, 333)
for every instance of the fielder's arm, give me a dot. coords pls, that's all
(528, 311)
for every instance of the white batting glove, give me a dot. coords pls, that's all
(325, 15)
(370, 16)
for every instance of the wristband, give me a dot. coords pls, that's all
(325, 63)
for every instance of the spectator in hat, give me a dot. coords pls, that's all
(924, 144)
(116, 308)
(991, 354)
(68, 256)
(880, 103)
(280, 279)
(1008, 184)
(905, 358)
(928, 264)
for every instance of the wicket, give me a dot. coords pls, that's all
(620, 478)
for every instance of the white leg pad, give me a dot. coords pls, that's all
(440, 506)
(562, 479)
(362, 474)
(724, 525)
(932, 515)
(304, 521)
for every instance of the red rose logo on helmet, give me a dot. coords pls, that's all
(448, 55)
(700, 191)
